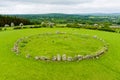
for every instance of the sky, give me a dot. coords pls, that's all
(59, 6)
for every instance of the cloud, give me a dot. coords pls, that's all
(61, 2)
(58, 6)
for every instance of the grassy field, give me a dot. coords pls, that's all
(16, 67)
(51, 44)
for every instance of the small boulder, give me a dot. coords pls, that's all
(28, 56)
(80, 57)
(95, 36)
(58, 57)
(37, 58)
(69, 59)
(54, 58)
(44, 58)
(88, 57)
(97, 57)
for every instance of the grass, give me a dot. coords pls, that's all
(15, 67)
(52, 44)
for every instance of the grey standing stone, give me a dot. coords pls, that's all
(58, 57)
(64, 58)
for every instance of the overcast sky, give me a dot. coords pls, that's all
(59, 6)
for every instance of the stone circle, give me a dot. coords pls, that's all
(64, 57)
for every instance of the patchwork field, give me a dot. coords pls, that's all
(17, 67)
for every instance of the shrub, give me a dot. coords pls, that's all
(17, 28)
(25, 27)
(35, 27)
(0, 28)
(107, 29)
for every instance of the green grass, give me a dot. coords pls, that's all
(16, 67)
(52, 44)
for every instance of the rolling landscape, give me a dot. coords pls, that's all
(59, 44)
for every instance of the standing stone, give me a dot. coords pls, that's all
(95, 36)
(80, 57)
(37, 57)
(21, 24)
(44, 58)
(97, 57)
(58, 57)
(28, 56)
(69, 59)
(87, 57)
(12, 24)
(64, 58)
(6, 25)
(54, 58)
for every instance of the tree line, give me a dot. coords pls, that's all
(7, 20)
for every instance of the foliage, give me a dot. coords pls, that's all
(14, 20)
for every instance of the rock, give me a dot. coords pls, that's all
(58, 57)
(106, 49)
(88, 57)
(100, 52)
(21, 24)
(28, 56)
(54, 58)
(44, 58)
(69, 59)
(97, 57)
(37, 58)
(95, 36)
(80, 57)
(12, 24)
(6, 25)
(57, 32)
(64, 58)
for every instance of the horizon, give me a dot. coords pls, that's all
(61, 13)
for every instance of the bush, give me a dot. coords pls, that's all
(35, 27)
(25, 27)
(17, 27)
(0, 28)
(107, 29)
